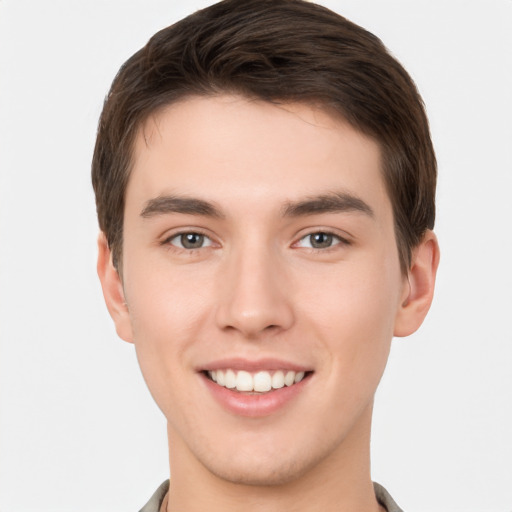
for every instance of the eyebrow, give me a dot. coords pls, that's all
(180, 204)
(327, 203)
(324, 203)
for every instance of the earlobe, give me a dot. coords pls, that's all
(113, 292)
(419, 291)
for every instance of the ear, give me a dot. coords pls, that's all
(419, 291)
(113, 292)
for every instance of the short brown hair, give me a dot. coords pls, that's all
(276, 51)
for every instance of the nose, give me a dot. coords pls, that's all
(254, 299)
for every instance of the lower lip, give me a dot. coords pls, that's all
(257, 404)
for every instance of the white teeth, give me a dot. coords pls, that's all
(230, 379)
(260, 382)
(289, 378)
(278, 380)
(220, 378)
(244, 381)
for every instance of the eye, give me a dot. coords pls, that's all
(320, 240)
(190, 240)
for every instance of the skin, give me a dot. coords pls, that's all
(258, 289)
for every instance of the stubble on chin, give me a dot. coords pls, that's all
(278, 472)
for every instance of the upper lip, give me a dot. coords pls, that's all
(264, 364)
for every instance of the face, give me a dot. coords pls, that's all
(262, 283)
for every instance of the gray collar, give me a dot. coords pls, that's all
(383, 497)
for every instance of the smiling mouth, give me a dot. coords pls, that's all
(257, 382)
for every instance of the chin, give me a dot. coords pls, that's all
(260, 476)
(266, 471)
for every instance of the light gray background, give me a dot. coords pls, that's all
(78, 429)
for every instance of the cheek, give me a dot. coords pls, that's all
(165, 301)
(357, 296)
(353, 314)
(167, 309)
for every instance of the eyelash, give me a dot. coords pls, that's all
(335, 237)
(340, 241)
(169, 239)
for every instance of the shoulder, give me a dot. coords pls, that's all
(153, 505)
(385, 499)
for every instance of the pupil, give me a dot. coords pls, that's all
(192, 240)
(320, 240)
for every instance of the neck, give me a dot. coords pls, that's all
(337, 483)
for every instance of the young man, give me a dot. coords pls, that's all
(265, 184)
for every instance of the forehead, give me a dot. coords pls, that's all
(237, 149)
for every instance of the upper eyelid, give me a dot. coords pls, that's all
(170, 234)
(343, 236)
(324, 231)
(167, 241)
(170, 245)
(340, 240)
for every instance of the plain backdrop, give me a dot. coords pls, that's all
(78, 429)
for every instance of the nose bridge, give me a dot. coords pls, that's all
(253, 297)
